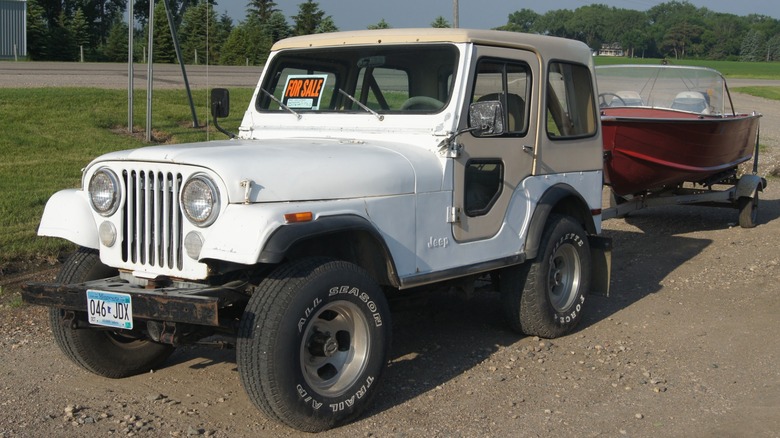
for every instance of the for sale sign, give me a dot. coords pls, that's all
(304, 91)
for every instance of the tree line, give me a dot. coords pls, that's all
(66, 30)
(675, 29)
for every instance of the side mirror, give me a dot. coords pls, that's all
(487, 118)
(220, 108)
(220, 103)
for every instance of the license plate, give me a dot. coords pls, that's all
(110, 309)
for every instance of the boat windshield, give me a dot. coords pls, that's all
(693, 89)
(372, 79)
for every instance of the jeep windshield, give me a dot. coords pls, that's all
(389, 79)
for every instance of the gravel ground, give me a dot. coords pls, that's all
(683, 347)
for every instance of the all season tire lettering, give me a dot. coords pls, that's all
(340, 406)
(362, 296)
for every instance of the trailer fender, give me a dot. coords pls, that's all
(748, 185)
(68, 215)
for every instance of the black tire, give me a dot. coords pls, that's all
(313, 343)
(545, 296)
(748, 210)
(108, 353)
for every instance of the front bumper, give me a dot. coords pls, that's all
(198, 305)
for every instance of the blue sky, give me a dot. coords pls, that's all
(479, 14)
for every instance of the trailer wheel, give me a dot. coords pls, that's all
(545, 296)
(313, 343)
(748, 210)
(105, 352)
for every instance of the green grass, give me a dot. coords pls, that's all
(766, 92)
(729, 69)
(47, 135)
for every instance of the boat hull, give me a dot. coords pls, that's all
(648, 149)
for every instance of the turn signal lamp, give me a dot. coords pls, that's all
(305, 216)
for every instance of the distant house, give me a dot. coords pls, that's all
(13, 29)
(614, 49)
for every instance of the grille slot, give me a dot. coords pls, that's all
(152, 219)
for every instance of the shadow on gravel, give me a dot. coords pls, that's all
(441, 338)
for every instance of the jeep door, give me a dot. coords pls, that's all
(489, 169)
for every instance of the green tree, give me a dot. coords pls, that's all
(773, 48)
(634, 41)
(164, 51)
(589, 24)
(521, 21)
(80, 32)
(277, 28)
(37, 31)
(115, 49)
(326, 25)
(381, 25)
(309, 17)
(753, 45)
(440, 23)
(723, 35)
(234, 49)
(198, 35)
(261, 9)
(62, 47)
(555, 23)
(680, 37)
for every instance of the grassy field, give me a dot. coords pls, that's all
(48, 135)
(729, 69)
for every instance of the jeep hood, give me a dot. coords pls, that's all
(296, 169)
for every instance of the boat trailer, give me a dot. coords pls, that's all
(740, 193)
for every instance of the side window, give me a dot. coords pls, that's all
(570, 109)
(508, 82)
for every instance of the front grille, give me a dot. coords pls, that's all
(152, 234)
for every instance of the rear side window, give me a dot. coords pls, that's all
(571, 112)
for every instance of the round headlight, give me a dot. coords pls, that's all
(200, 200)
(104, 192)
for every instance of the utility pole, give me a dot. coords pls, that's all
(150, 73)
(455, 14)
(130, 71)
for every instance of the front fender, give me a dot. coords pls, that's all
(68, 215)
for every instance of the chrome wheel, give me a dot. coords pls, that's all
(564, 277)
(334, 349)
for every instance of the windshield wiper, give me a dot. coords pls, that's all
(376, 114)
(283, 106)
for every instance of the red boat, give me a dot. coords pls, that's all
(667, 125)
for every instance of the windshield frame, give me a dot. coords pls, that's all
(388, 79)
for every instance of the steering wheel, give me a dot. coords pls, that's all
(422, 102)
(603, 101)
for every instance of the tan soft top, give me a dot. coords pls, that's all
(551, 47)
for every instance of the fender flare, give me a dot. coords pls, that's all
(284, 238)
(553, 201)
(68, 215)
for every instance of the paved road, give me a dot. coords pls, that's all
(114, 75)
